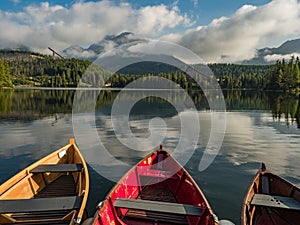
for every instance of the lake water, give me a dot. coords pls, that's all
(261, 127)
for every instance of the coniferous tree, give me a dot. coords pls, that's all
(5, 75)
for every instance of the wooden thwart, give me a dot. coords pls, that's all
(275, 201)
(155, 206)
(57, 168)
(158, 174)
(40, 204)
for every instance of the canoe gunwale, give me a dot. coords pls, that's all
(85, 191)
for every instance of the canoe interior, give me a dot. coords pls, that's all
(269, 185)
(29, 185)
(157, 178)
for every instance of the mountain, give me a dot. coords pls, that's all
(288, 47)
(270, 55)
(109, 42)
(264, 56)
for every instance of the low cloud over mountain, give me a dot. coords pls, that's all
(108, 43)
(262, 56)
(284, 51)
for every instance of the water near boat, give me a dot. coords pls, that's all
(260, 127)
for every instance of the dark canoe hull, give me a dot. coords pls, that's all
(271, 200)
(53, 190)
(156, 191)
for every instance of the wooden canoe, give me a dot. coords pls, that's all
(156, 191)
(271, 200)
(53, 190)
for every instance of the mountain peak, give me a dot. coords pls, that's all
(270, 55)
(107, 43)
(121, 38)
(290, 46)
(123, 34)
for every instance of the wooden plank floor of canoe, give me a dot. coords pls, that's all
(276, 216)
(155, 192)
(63, 186)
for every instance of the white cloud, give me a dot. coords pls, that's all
(236, 38)
(40, 26)
(153, 19)
(225, 39)
(275, 57)
(71, 52)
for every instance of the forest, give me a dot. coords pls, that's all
(284, 76)
(33, 69)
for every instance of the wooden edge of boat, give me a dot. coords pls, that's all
(4, 187)
(87, 184)
(249, 195)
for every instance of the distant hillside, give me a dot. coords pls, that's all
(270, 55)
(33, 69)
(217, 69)
(26, 56)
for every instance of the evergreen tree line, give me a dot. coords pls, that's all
(48, 72)
(41, 70)
(23, 68)
(233, 76)
(284, 75)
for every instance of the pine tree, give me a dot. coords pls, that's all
(296, 75)
(5, 75)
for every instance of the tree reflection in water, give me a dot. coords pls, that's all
(29, 104)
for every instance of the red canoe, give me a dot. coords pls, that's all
(156, 191)
(271, 200)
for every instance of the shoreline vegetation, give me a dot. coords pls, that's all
(26, 69)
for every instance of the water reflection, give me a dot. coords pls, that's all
(261, 126)
(285, 107)
(28, 105)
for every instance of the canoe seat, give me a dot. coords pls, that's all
(57, 168)
(159, 174)
(40, 204)
(156, 206)
(275, 201)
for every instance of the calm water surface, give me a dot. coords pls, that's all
(260, 127)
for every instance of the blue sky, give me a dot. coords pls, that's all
(214, 29)
(205, 10)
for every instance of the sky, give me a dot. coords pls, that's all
(216, 30)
